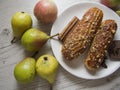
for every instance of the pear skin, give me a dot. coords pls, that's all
(46, 67)
(24, 71)
(118, 12)
(20, 22)
(33, 39)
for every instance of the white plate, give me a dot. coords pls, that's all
(76, 67)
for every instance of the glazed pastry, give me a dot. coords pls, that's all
(100, 44)
(80, 37)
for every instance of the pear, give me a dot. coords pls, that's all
(33, 39)
(20, 22)
(115, 2)
(46, 67)
(24, 71)
(118, 12)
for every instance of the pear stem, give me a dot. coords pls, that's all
(51, 87)
(13, 40)
(34, 54)
(54, 35)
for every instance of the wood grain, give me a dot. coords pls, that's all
(11, 54)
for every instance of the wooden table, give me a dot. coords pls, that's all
(11, 54)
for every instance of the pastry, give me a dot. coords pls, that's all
(80, 37)
(100, 44)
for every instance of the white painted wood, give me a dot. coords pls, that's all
(11, 54)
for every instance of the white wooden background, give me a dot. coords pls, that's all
(11, 54)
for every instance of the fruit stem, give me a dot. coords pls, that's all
(51, 87)
(45, 58)
(54, 35)
(22, 12)
(34, 54)
(13, 40)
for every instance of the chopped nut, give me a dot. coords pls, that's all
(99, 60)
(113, 31)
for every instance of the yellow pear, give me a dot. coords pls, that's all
(24, 71)
(46, 67)
(20, 22)
(33, 39)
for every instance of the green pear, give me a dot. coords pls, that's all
(115, 2)
(24, 71)
(118, 12)
(46, 67)
(33, 39)
(20, 22)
